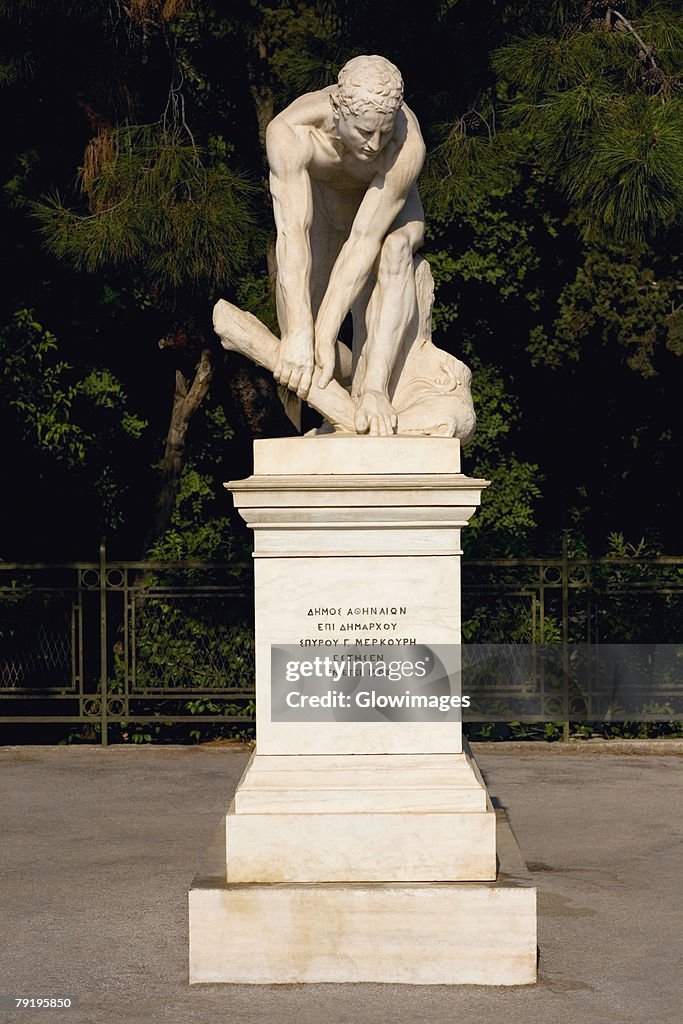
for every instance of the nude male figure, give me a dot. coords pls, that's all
(344, 162)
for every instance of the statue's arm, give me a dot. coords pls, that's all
(290, 186)
(382, 203)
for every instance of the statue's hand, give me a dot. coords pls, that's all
(325, 355)
(375, 415)
(294, 366)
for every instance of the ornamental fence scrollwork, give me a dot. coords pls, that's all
(125, 650)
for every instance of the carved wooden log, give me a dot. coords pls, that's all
(244, 333)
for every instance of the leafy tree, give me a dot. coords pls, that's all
(553, 198)
(559, 192)
(601, 100)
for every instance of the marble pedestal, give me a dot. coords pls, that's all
(360, 851)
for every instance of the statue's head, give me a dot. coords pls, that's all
(370, 83)
(369, 94)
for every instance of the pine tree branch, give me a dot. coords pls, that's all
(646, 50)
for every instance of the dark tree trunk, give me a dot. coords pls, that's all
(187, 398)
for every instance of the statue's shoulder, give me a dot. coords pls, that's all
(407, 151)
(311, 110)
(413, 135)
(290, 133)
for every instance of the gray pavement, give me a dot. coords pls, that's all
(98, 849)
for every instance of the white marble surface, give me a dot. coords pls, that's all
(307, 799)
(418, 934)
(303, 818)
(396, 782)
(417, 491)
(359, 851)
(427, 587)
(344, 163)
(344, 455)
(355, 541)
(430, 935)
(346, 846)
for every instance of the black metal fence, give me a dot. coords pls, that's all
(122, 650)
(577, 607)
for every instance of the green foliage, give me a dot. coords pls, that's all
(41, 388)
(619, 295)
(76, 421)
(552, 732)
(254, 293)
(190, 643)
(629, 616)
(195, 532)
(286, 48)
(600, 102)
(199, 526)
(629, 180)
(464, 169)
(554, 145)
(304, 54)
(507, 516)
(496, 249)
(15, 186)
(161, 206)
(15, 67)
(103, 390)
(45, 392)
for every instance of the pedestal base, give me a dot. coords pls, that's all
(361, 818)
(362, 548)
(458, 933)
(360, 851)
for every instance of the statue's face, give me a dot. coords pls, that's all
(365, 135)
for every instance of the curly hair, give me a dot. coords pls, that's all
(370, 83)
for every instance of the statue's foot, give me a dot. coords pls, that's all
(375, 415)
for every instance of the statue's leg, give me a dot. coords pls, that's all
(333, 216)
(362, 314)
(391, 311)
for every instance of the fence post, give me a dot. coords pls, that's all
(565, 637)
(103, 643)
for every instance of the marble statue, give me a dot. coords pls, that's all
(344, 162)
(358, 850)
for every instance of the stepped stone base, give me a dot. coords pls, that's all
(437, 933)
(362, 818)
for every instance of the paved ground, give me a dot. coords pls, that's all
(99, 847)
